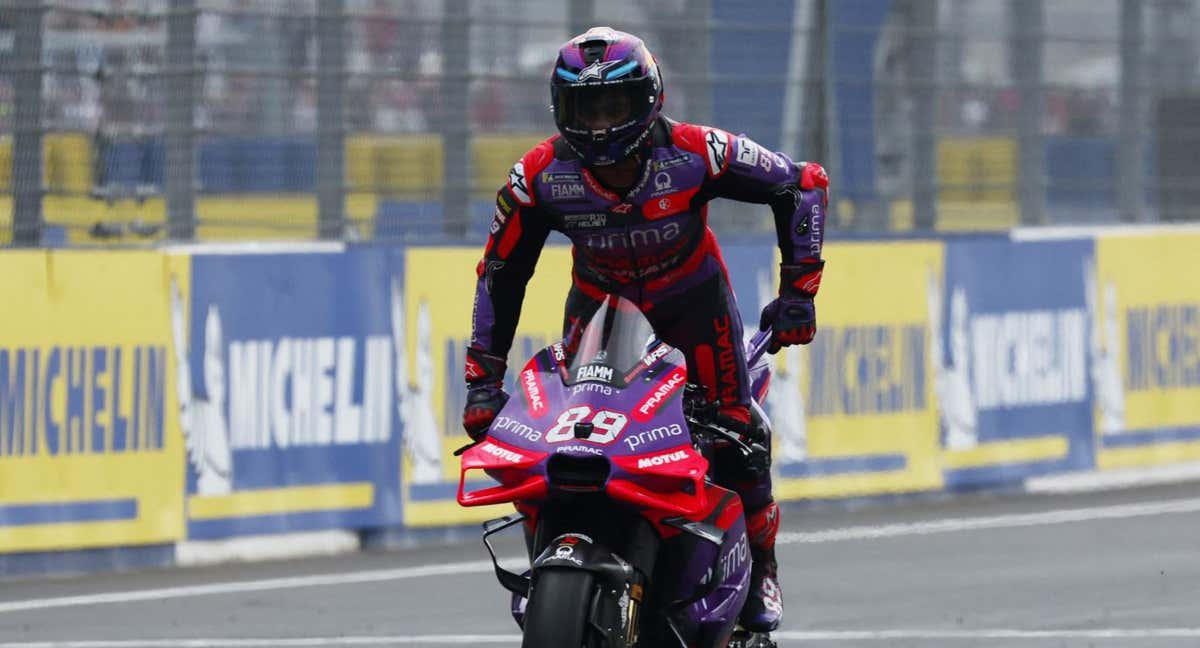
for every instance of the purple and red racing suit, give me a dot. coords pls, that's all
(652, 245)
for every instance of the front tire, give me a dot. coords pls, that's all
(557, 613)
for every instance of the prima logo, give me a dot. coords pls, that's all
(737, 556)
(591, 387)
(638, 439)
(513, 426)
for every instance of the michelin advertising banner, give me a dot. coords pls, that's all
(1145, 339)
(292, 375)
(148, 397)
(90, 449)
(1011, 359)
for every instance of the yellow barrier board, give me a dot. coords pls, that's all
(856, 407)
(1146, 348)
(439, 294)
(90, 448)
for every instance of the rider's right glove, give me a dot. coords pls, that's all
(737, 418)
(792, 316)
(485, 391)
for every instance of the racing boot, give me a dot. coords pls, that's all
(764, 607)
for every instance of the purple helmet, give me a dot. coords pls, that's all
(605, 92)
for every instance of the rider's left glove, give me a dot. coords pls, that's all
(792, 317)
(485, 392)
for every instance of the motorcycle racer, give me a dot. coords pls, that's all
(629, 187)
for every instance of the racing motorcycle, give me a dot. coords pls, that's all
(606, 452)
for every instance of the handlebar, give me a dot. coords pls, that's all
(758, 346)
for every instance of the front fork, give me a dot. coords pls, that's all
(620, 597)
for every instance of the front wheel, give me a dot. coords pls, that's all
(558, 609)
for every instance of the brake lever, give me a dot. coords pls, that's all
(460, 451)
(728, 435)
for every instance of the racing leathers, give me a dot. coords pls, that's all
(651, 244)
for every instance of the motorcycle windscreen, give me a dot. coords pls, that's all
(612, 342)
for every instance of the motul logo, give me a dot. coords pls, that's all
(646, 409)
(533, 390)
(502, 453)
(663, 459)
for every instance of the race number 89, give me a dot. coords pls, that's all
(607, 425)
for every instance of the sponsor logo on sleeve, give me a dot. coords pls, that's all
(747, 152)
(503, 204)
(764, 161)
(517, 183)
(716, 148)
(498, 220)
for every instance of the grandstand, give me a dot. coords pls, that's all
(395, 119)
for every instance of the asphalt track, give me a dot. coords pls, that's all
(1101, 569)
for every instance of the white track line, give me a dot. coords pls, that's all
(984, 634)
(1102, 480)
(282, 642)
(484, 566)
(374, 576)
(994, 522)
(932, 634)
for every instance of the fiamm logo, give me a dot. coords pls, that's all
(868, 370)
(1163, 350)
(81, 400)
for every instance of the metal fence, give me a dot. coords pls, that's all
(135, 121)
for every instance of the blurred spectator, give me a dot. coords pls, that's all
(304, 113)
(489, 106)
(381, 27)
(395, 108)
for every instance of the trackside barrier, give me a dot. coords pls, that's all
(154, 401)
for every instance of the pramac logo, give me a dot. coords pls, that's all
(649, 406)
(534, 394)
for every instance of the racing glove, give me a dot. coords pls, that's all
(813, 176)
(737, 418)
(792, 316)
(485, 392)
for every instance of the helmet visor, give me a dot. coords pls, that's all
(597, 110)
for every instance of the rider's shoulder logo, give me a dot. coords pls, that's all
(716, 150)
(518, 183)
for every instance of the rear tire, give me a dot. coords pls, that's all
(557, 613)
